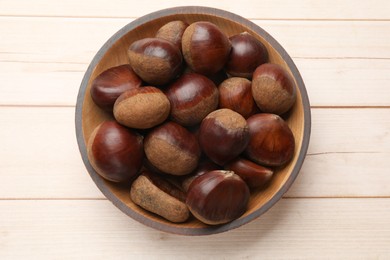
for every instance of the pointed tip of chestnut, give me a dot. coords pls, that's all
(203, 167)
(218, 197)
(173, 32)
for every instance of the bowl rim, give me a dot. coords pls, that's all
(207, 11)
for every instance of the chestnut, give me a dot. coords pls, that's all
(236, 94)
(205, 47)
(156, 195)
(157, 61)
(217, 197)
(166, 183)
(173, 32)
(203, 167)
(115, 152)
(111, 83)
(192, 97)
(172, 149)
(223, 135)
(271, 140)
(273, 89)
(142, 108)
(255, 176)
(247, 54)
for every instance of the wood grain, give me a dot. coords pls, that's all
(340, 47)
(266, 9)
(346, 82)
(293, 229)
(336, 166)
(337, 175)
(40, 157)
(81, 38)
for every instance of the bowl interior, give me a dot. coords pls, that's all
(114, 53)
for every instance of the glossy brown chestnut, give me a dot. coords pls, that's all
(217, 197)
(173, 32)
(205, 47)
(236, 94)
(255, 176)
(157, 61)
(165, 183)
(203, 167)
(223, 135)
(247, 54)
(156, 195)
(115, 152)
(271, 140)
(192, 97)
(172, 149)
(273, 89)
(111, 83)
(142, 108)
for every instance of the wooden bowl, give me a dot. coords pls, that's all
(114, 52)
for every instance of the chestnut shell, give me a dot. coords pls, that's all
(273, 89)
(235, 93)
(173, 32)
(157, 61)
(111, 83)
(247, 54)
(217, 197)
(115, 152)
(223, 135)
(255, 175)
(192, 97)
(142, 108)
(172, 149)
(205, 47)
(271, 141)
(203, 167)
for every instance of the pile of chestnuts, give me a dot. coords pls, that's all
(196, 122)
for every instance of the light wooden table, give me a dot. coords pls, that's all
(339, 206)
